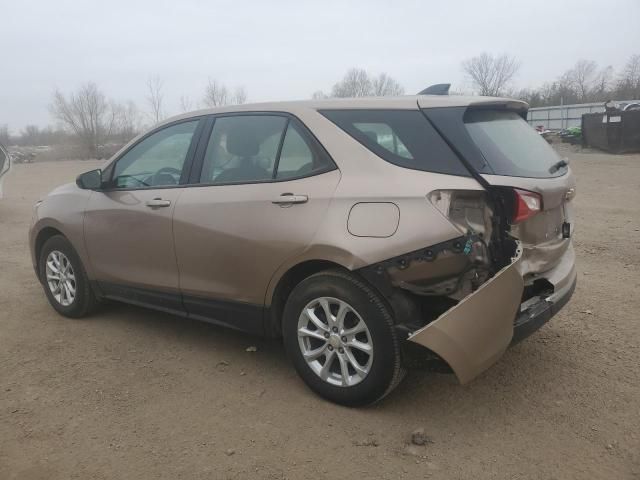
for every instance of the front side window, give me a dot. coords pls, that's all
(402, 137)
(157, 160)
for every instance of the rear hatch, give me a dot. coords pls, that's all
(520, 167)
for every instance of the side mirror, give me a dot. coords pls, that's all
(91, 180)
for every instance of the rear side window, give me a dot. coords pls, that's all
(510, 146)
(299, 155)
(243, 149)
(402, 137)
(260, 148)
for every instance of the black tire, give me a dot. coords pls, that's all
(84, 301)
(386, 370)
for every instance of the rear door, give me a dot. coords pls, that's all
(258, 195)
(128, 225)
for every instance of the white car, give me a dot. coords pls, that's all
(5, 166)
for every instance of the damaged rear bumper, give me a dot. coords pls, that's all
(536, 315)
(475, 333)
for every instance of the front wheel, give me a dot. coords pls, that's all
(341, 339)
(64, 279)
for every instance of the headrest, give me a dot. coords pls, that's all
(242, 143)
(371, 134)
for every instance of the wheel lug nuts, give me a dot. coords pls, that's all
(326, 335)
(335, 329)
(330, 348)
(344, 339)
(341, 350)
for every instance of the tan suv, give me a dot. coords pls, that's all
(371, 234)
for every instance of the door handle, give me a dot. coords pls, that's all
(290, 198)
(157, 203)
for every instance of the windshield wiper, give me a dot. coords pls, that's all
(558, 165)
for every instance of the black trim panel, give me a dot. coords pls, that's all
(158, 300)
(377, 275)
(236, 315)
(538, 314)
(239, 316)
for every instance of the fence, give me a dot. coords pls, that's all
(566, 116)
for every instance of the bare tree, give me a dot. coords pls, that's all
(582, 76)
(186, 105)
(87, 113)
(628, 85)
(383, 85)
(126, 121)
(155, 98)
(240, 96)
(355, 83)
(359, 83)
(601, 90)
(490, 74)
(216, 94)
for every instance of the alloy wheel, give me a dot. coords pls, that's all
(61, 278)
(335, 341)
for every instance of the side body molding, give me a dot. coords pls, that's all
(475, 333)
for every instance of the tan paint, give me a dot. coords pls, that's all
(373, 219)
(230, 239)
(541, 235)
(63, 210)
(231, 242)
(472, 335)
(129, 242)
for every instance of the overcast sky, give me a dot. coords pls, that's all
(281, 49)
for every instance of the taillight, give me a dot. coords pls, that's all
(527, 204)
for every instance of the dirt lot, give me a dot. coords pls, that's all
(130, 393)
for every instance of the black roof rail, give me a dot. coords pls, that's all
(437, 89)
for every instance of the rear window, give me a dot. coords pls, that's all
(510, 146)
(402, 137)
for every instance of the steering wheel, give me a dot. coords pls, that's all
(161, 176)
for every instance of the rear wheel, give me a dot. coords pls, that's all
(64, 279)
(340, 337)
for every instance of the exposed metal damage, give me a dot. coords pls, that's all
(477, 289)
(474, 333)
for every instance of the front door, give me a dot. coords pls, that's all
(128, 225)
(265, 185)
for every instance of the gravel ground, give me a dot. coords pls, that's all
(130, 393)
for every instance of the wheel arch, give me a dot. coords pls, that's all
(285, 284)
(42, 236)
(313, 261)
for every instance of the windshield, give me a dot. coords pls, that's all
(510, 146)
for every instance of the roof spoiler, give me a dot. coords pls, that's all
(437, 89)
